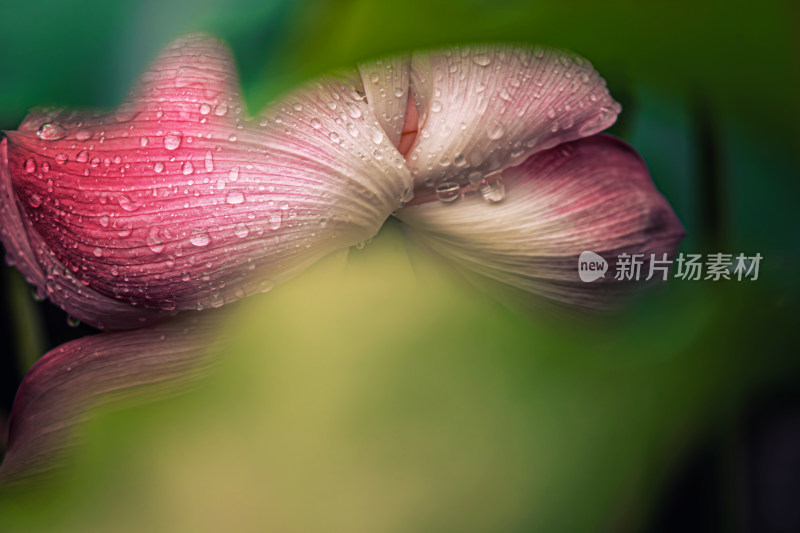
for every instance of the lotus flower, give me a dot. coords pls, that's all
(177, 200)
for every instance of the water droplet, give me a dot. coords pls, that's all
(61, 158)
(316, 124)
(104, 221)
(51, 131)
(475, 178)
(604, 119)
(354, 111)
(235, 197)
(209, 161)
(274, 221)
(493, 192)
(125, 231)
(158, 167)
(35, 200)
(30, 166)
(481, 60)
(200, 237)
(172, 140)
(233, 175)
(232, 138)
(205, 109)
(217, 300)
(82, 157)
(377, 136)
(334, 137)
(73, 323)
(143, 141)
(127, 204)
(154, 240)
(352, 130)
(361, 245)
(241, 231)
(83, 135)
(448, 191)
(398, 92)
(98, 252)
(496, 131)
(187, 168)
(551, 113)
(284, 206)
(95, 162)
(265, 285)
(436, 106)
(221, 109)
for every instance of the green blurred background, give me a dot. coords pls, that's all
(420, 403)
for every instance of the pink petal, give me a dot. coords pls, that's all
(484, 108)
(386, 87)
(594, 195)
(176, 200)
(100, 370)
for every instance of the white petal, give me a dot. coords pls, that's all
(483, 108)
(386, 86)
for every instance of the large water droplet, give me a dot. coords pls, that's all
(481, 59)
(274, 221)
(235, 197)
(172, 140)
(51, 131)
(30, 166)
(205, 109)
(352, 130)
(221, 109)
(241, 231)
(187, 168)
(496, 131)
(127, 204)
(200, 237)
(493, 192)
(155, 241)
(83, 135)
(82, 157)
(448, 191)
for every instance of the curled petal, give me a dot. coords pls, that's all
(100, 370)
(484, 108)
(593, 194)
(177, 200)
(386, 87)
